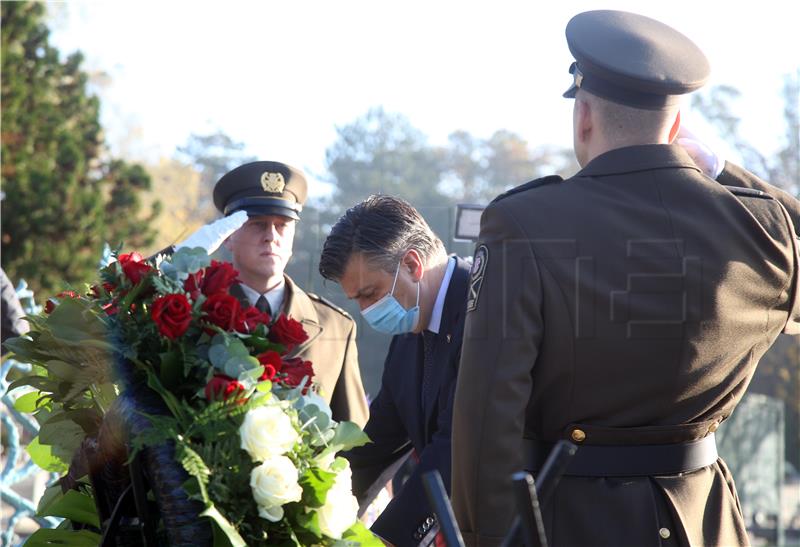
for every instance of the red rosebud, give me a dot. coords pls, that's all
(134, 267)
(192, 284)
(222, 310)
(223, 387)
(250, 318)
(172, 314)
(218, 278)
(272, 362)
(294, 370)
(51, 303)
(288, 332)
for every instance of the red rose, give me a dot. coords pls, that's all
(223, 387)
(222, 310)
(250, 318)
(288, 332)
(294, 370)
(218, 278)
(51, 303)
(192, 284)
(272, 362)
(172, 314)
(134, 267)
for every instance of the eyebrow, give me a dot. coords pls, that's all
(362, 290)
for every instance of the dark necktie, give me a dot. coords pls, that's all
(427, 368)
(262, 305)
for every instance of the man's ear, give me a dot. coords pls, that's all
(415, 264)
(676, 126)
(584, 121)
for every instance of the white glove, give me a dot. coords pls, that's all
(211, 236)
(709, 162)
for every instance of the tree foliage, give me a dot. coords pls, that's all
(212, 155)
(63, 196)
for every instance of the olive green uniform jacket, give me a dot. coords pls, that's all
(632, 301)
(331, 348)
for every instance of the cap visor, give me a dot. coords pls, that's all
(571, 92)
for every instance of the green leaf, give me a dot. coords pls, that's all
(75, 506)
(42, 455)
(185, 261)
(310, 523)
(348, 435)
(62, 434)
(241, 365)
(27, 402)
(169, 399)
(75, 321)
(358, 534)
(69, 538)
(171, 369)
(316, 483)
(224, 526)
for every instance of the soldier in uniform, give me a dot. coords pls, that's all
(623, 309)
(272, 194)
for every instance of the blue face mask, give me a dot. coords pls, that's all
(388, 316)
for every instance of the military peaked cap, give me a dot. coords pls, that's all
(633, 60)
(262, 188)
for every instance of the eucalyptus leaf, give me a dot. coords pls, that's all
(218, 355)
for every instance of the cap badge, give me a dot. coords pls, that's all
(272, 182)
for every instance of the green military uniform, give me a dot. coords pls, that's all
(274, 188)
(624, 309)
(331, 347)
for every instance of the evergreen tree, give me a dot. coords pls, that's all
(63, 197)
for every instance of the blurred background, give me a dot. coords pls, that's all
(119, 117)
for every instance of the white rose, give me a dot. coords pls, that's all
(274, 483)
(267, 431)
(341, 507)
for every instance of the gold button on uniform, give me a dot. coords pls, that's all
(578, 435)
(713, 427)
(664, 533)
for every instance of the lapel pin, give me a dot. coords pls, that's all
(449, 336)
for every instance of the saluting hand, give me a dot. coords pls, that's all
(709, 162)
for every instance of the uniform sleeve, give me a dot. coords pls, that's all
(502, 335)
(348, 401)
(733, 175)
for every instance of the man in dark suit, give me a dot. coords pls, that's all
(272, 194)
(624, 309)
(387, 259)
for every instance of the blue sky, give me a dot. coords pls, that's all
(280, 76)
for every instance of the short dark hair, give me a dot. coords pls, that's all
(383, 228)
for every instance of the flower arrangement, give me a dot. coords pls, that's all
(257, 443)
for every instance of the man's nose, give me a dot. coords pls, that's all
(270, 232)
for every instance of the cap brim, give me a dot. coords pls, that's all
(262, 211)
(571, 92)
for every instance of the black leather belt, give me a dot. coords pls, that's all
(628, 460)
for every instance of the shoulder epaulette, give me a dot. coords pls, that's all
(748, 192)
(328, 303)
(529, 186)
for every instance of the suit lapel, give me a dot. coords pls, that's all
(236, 290)
(297, 305)
(446, 343)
